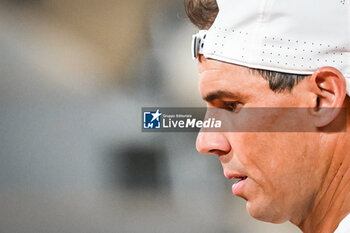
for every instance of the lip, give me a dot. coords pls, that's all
(237, 187)
(234, 175)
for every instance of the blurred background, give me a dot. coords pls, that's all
(74, 76)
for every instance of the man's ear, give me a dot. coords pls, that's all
(329, 87)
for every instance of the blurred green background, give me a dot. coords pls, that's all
(74, 76)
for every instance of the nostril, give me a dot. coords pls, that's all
(218, 152)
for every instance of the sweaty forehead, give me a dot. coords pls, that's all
(220, 76)
(210, 68)
(205, 64)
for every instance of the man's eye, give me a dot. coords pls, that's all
(232, 106)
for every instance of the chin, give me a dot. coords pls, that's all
(265, 212)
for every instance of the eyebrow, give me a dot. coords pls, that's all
(221, 94)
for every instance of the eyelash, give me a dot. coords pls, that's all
(232, 106)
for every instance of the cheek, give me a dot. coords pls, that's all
(280, 178)
(274, 161)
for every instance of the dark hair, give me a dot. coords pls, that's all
(202, 13)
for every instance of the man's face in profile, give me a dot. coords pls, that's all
(281, 172)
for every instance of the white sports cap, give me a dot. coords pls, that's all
(287, 36)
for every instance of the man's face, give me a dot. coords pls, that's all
(283, 170)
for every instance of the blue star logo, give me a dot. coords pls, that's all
(151, 120)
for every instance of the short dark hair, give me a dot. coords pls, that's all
(202, 13)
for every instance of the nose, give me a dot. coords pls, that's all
(212, 143)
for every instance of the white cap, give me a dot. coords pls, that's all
(287, 36)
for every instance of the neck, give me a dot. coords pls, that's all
(332, 202)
